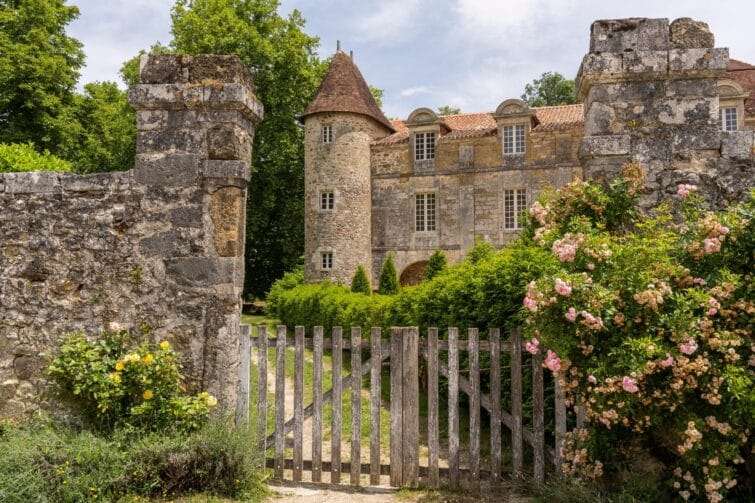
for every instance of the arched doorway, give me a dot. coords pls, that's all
(413, 274)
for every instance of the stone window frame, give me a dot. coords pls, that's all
(421, 123)
(518, 135)
(514, 214)
(424, 150)
(326, 260)
(731, 95)
(728, 119)
(329, 201)
(327, 134)
(426, 218)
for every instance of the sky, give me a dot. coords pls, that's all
(471, 54)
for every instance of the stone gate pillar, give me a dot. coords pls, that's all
(195, 125)
(649, 89)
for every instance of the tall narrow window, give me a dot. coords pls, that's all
(424, 146)
(729, 119)
(327, 201)
(513, 139)
(327, 261)
(327, 134)
(424, 205)
(514, 204)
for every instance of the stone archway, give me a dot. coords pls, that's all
(413, 274)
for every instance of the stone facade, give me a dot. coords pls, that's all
(651, 91)
(157, 250)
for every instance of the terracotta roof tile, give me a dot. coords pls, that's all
(344, 90)
(474, 125)
(743, 74)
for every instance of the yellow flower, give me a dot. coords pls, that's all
(147, 358)
(165, 345)
(119, 366)
(131, 357)
(115, 377)
(147, 395)
(211, 401)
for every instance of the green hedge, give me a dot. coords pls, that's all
(23, 157)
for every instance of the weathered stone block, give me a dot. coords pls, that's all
(227, 212)
(647, 63)
(687, 33)
(689, 111)
(229, 142)
(738, 144)
(165, 96)
(702, 88)
(691, 138)
(636, 34)
(161, 68)
(32, 183)
(594, 146)
(186, 217)
(205, 68)
(184, 140)
(164, 244)
(166, 170)
(238, 170)
(599, 119)
(698, 62)
(199, 271)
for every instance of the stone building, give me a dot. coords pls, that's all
(654, 92)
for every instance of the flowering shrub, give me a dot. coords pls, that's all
(648, 324)
(113, 384)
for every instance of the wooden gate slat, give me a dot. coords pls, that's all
(262, 386)
(410, 412)
(280, 403)
(317, 405)
(298, 403)
(335, 424)
(433, 434)
(516, 402)
(356, 403)
(560, 412)
(375, 366)
(495, 402)
(453, 407)
(474, 407)
(397, 436)
(538, 426)
(245, 374)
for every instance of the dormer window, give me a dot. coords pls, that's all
(729, 119)
(327, 134)
(513, 139)
(424, 146)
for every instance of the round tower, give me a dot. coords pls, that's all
(339, 125)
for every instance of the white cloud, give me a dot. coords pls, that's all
(392, 22)
(411, 91)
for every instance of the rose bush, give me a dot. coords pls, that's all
(648, 324)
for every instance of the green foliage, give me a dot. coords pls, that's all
(436, 265)
(448, 110)
(113, 384)
(287, 74)
(39, 67)
(107, 134)
(388, 284)
(360, 283)
(480, 251)
(24, 157)
(651, 319)
(328, 305)
(550, 89)
(289, 281)
(50, 462)
(377, 93)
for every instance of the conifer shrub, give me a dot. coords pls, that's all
(388, 277)
(360, 283)
(436, 265)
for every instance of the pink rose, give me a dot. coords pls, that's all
(571, 315)
(699, 281)
(684, 189)
(552, 361)
(688, 347)
(629, 384)
(723, 230)
(533, 346)
(668, 361)
(590, 266)
(712, 311)
(562, 288)
(530, 304)
(711, 245)
(591, 379)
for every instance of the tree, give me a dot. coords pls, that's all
(106, 138)
(388, 277)
(360, 283)
(377, 93)
(448, 110)
(435, 265)
(39, 67)
(287, 73)
(550, 89)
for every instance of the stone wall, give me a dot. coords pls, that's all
(157, 250)
(650, 96)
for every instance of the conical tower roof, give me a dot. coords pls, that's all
(344, 90)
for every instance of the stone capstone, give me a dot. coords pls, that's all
(687, 33)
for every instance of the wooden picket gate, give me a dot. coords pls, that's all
(403, 350)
